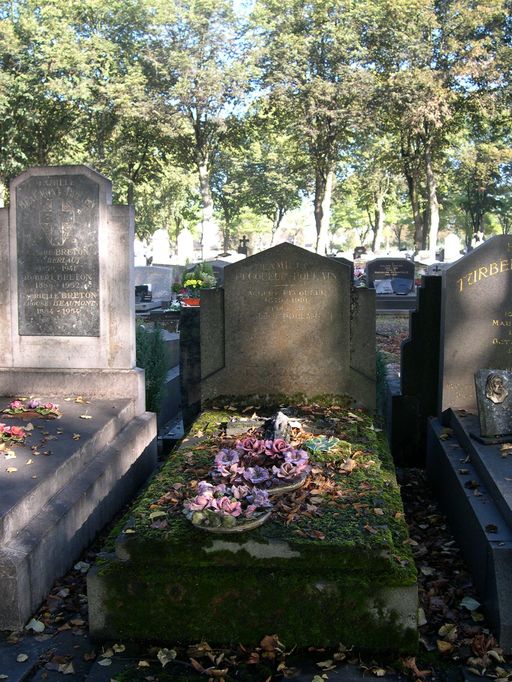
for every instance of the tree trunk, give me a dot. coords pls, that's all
(209, 235)
(433, 204)
(379, 222)
(276, 223)
(324, 185)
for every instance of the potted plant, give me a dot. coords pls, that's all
(193, 283)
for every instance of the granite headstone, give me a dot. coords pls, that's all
(287, 321)
(476, 320)
(396, 275)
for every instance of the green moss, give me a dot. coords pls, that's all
(328, 561)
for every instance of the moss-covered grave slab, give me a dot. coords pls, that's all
(333, 564)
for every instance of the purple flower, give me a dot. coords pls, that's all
(259, 498)
(32, 404)
(225, 458)
(256, 475)
(205, 488)
(296, 456)
(240, 491)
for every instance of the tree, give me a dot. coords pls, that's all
(312, 61)
(200, 74)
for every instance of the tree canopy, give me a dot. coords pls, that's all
(391, 118)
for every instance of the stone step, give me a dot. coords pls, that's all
(477, 523)
(32, 485)
(59, 530)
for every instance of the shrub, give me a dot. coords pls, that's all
(151, 357)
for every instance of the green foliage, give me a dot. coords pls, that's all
(151, 357)
(381, 380)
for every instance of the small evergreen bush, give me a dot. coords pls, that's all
(151, 357)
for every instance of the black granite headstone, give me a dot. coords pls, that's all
(58, 261)
(399, 271)
(476, 320)
(415, 397)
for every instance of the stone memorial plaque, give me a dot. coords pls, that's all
(398, 271)
(494, 398)
(476, 320)
(57, 220)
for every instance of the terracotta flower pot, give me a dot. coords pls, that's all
(191, 301)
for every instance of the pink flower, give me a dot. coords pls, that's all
(229, 507)
(16, 405)
(198, 503)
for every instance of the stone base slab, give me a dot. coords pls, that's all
(58, 531)
(104, 384)
(322, 579)
(479, 526)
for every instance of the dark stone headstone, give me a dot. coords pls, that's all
(288, 321)
(190, 364)
(142, 293)
(399, 272)
(494, 398)
(476, 320)
(415, 398)
(57, 251)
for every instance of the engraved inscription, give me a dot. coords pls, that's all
(58, 263)
(484, 272)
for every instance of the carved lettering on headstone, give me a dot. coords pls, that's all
(58, 261)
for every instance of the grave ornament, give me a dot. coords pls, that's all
(493, 387)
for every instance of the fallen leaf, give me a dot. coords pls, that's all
(35, 625)
(119, 648)
(444, 647)
(105, 661)
(143, 664)
(470, 604)
(85, 416)
(76, 436)
(10, 454)
(21, 658)
(410, 662)
(165, 656)
(11, 470)
(66, 668)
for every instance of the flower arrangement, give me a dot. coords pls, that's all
(44, 409)
(268, 464)
(223, 506)
(12, 434)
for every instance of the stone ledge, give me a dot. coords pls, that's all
(489, 555)
(49, 544)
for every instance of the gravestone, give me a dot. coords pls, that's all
(160, 247)
(288, 321)
(67, 335)
(159, 278)
(452, 247)
(412, 394)
(397, 273)
(476, 320)
(476, 338)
